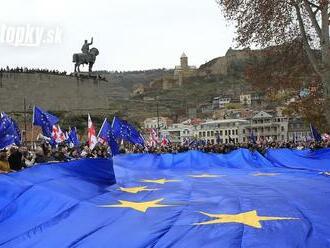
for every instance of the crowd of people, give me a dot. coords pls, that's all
(32, 70)
(18, 158)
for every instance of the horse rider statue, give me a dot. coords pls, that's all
(88, 56)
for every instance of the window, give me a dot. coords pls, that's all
(208, 133)
(282, 129)
(212, 133)
(236, 132)
(221, 132)
(226, 133)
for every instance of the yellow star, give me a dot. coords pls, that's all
(159, 181)
(135, 190)
(139, 206)
(259, 174)
(250, 218)
(205, 176)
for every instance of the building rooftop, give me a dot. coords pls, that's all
(184, 55)
(223, 121)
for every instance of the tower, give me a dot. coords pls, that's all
(184, 61)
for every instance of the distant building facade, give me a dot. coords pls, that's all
(265, 126)
(152, 123)
(179, 132)
(298, 130)
(221, 131)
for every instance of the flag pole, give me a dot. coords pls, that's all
(98, 135)
(32, 125)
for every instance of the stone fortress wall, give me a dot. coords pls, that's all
(53, 92)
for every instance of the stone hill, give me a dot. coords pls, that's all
(57, 92)
(232, 62)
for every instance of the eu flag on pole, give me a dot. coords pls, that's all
(45, 120)
(107, 135)
(9, 132)
(73, 139)
(315, 134)
(123, 130)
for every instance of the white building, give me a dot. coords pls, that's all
(266, 127)
(245, 99)
(223, 131)
(220, 102)
(153, 122)
(178, 132)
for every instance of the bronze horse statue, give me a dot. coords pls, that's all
(82, 58)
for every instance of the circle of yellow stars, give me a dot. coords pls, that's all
(249, 218)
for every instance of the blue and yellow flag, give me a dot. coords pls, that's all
(191, 199)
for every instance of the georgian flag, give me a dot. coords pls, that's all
(164, 141)
(153, 138)
(92, 139)
(58, 135)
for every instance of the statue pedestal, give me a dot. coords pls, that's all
(89, 75)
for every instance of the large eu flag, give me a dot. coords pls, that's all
(192, 199)
(125, 131)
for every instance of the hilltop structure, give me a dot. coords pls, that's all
(184, 70)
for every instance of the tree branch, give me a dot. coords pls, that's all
(314, 5)
(307, 47)
(312, 16)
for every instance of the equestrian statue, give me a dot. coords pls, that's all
(88, 56)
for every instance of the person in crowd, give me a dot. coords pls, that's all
(15, 159)
(4, 165)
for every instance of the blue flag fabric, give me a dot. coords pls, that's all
(106, 133)
(9, 132)
(190, 199)
(73, 139)
(45, 120)
(123, 130)
(315, 134)
(307, 159)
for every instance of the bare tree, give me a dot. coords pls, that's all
(276, 22)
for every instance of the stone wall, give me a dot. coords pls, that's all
(53, 92)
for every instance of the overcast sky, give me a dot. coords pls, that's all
(130, 34)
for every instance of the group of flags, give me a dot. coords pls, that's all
(154, 139)
(108, 134)
(118, 130)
